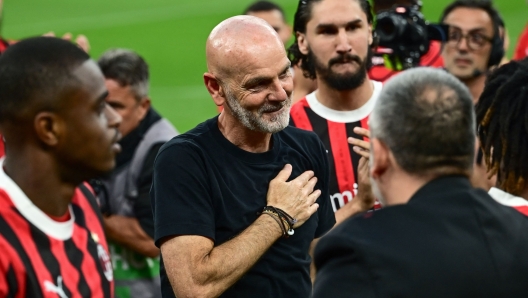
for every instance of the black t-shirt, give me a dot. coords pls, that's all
(205, 185)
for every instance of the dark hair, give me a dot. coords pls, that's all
(502, 123)
(35, 73)
(261, 6)
(127, 68)
(302, 17)
(497, 46)
(425, 116)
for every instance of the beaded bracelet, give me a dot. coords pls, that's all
(285, 217)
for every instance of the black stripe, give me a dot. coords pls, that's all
(33, 288)
(12, 282)
(80, 219)
(92, 200)
(320, 127)
(50, 261)
(76, 257)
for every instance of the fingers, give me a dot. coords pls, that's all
(284, 174)
(82, 42)
(362, 131)
(49, 34)
(67, 36)
(304, 178)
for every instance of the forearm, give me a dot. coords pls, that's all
(211, 271)
(354, 207)
(128, 232)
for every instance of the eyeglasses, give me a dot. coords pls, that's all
(475, 41)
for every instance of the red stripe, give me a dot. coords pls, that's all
(11, 258)
(364, 124)
(342, 159)
(94, 225)
(299, 116)
(70, 275)
(522, 209)
(22, 229)
(88, 265)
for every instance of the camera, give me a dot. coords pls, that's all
(403, 36)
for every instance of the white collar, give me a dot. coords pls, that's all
(58, 230)
(344, 116)
(507, 199)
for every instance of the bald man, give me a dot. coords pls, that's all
(238, 199)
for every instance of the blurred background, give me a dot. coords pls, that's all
(170, 35)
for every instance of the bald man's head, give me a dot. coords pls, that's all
(236, 39)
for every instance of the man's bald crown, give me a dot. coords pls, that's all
(236, 37)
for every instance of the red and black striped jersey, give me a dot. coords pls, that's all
(333, 128)
(41, 257)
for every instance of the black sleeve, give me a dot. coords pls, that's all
(340, 270)
(142, 206)
(180, 194)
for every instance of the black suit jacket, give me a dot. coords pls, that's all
(449, 240)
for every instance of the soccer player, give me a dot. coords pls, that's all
(502, 119)
(333, 39)
(60, 133)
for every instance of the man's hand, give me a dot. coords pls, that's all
(364, 200)
(297, 197)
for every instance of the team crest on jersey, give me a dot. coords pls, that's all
(105, 262)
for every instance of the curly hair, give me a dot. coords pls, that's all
(502, 125)
(302, 17)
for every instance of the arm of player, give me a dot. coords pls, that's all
(196, 268)
(364, 199)
(128, 232)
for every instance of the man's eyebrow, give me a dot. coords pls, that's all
(263, 79)
(470, 31)
(332, 25)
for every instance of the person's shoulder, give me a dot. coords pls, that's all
(191, 139)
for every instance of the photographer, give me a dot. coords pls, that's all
(379, 71)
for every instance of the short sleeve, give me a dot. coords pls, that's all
(180, 192)
(326, 213)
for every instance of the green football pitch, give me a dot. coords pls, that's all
(170, 35)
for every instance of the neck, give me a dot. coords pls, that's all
(476, 86)
(242, 137)
(524, 193)
(401, 187)
(346, 100)
(33, 171)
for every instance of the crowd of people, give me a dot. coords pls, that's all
(325, 173)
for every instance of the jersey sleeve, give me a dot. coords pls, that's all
(12, 275)
(180, 193)
(326, 213)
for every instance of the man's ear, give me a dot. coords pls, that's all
(214, 88)
(380, 158)
(302, 43)
(48, 128)
(144, 105)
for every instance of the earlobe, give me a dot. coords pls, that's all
(214, 88)
(302, 43)
(48, 128)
